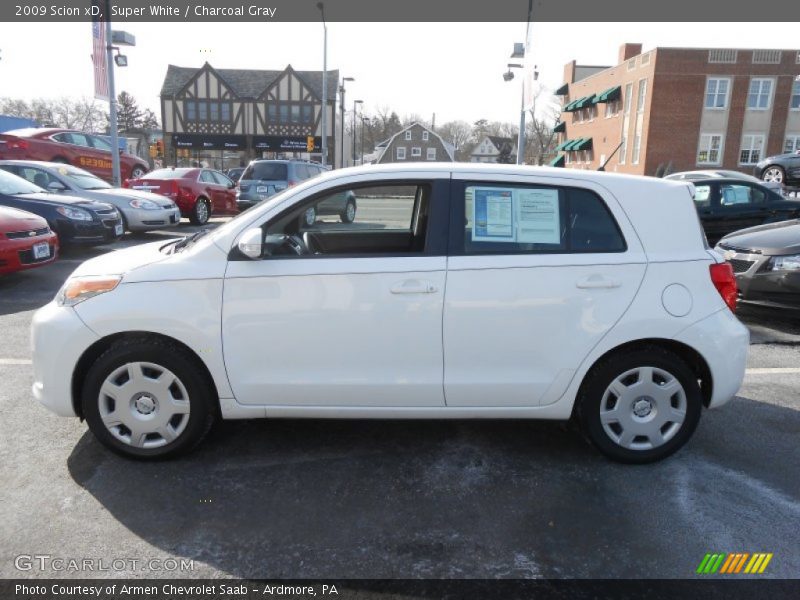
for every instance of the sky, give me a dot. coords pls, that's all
(451, 69)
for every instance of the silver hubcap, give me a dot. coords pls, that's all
(351, 212)
(643, 408)
(137, 173)
(202, 211)
(773, 174)
(144, 405)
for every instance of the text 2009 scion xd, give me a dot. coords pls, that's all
(458, 291)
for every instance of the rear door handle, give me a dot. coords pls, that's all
(413, 286)
(595, 282)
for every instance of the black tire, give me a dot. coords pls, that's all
(774, 173)
(349, 214)
(592, 396)
(202, 401)
(308, 217)
(201, 212)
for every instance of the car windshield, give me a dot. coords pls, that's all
(167, 174)
(83, 179)
(13, 185)
(265, 171)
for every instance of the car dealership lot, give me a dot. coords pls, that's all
(399, 499)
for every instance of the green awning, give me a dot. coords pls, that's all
(560, 127)
(562, 91)
(581, 102)
(595, 99)
(563, 145)
(558, 161)
(582, 144)
(568, 107)
(571, 145)
(609, 95)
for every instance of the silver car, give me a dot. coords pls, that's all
(141, 211)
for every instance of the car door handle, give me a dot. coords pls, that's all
(413, 286)
(595, 282)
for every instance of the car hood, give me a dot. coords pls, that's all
(778, 157)
(59, 199)
(115, 195)
(771, 239)
(123, 261)
(13, 219)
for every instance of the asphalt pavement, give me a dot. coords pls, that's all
(295, 498)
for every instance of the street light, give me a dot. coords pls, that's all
(355, 103)
(341, 108)
(364, 121)
(321, 8)
(519, 52)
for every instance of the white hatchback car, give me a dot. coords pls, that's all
(459, 291)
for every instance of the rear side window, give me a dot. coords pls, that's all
(536, 220)
(301, 172)
(733, 194)
(264, 171)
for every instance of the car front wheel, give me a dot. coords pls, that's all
(773, 173)
(640, 406)
(147, 398)
(137, 172)
(201, 212)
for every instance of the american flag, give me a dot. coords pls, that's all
(99, 59)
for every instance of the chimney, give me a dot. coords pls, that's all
(627, 51)
(569, 72)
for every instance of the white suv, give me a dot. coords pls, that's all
(458, 291)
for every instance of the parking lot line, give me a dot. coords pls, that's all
(15, 361)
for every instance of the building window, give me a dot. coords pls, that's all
(416, 151)
(283, 111)
(794, 102)
(752, 145)
(722, 55)
(202, 111)
(637, 146)
(645, 59)
(792, 144)
(797, 59)
(641, 96)
(408, 135)
(717, 93)
(628, 98)
(226, 112)
(759, 93)
(190, 110)
(612, 108)
(401, 153)
(295, 108)
(424, 136)
(213, 108)
(710, 149)
(632, 64)
(431, 154)
(272, 112)
(308, 113)
(766, 57)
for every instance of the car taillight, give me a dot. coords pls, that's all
(17, 144)
(126, 183)
(724, 280)
(292, 183)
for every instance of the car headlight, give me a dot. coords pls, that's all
(785, 263)
(76, 290)
(76, 214)
(143, 204)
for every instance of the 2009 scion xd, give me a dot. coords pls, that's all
(459, 291)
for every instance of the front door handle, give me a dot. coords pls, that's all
(597, 282)
(413, 286)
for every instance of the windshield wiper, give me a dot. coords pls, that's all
(188, 240)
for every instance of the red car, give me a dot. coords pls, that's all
(89, 152)
(199, 193)
(25, 241)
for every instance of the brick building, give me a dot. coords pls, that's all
(676, 109)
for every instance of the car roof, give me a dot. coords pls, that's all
(32, 131)
(41, 163)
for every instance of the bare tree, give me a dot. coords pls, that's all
(539, 130)
(83, 114)
(457, 133)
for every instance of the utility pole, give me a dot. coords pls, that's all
(355, 103)
(112, 101)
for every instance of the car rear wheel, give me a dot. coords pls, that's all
(137, 172)
(349, 214)
(146, 398)
(201, 212)
(774, 173)
(640, 406)
(309, 217)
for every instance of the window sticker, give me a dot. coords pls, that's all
(538, 221)
(493, 215)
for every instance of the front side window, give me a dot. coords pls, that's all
(710, 150)
(752, 147)
(382, 219)
(207, 177)
(758, 95)
(717, 93)
(537, 220)
(737, 194)
(100, 143)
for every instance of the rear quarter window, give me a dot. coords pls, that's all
(266, 172)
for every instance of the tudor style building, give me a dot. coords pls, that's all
(224, 117)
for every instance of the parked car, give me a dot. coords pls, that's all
(727, 205)
(723, 174)
(141, 211)
(766, 261)
(593, 295)
(782, 168)
(90, 152)
(199, 193)
(26, 241)
(235, 173)
(74, 220)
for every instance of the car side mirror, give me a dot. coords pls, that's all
(251, 243)
(56, 187)
(231, 185)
